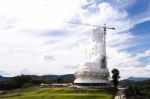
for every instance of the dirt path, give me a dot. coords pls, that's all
(120, 94)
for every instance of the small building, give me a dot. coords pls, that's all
(44, 85)
(60, 84)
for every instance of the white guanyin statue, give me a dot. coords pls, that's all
(94, 72)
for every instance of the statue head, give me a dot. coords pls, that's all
(98, 35)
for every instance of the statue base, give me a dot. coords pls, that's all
(92, 85)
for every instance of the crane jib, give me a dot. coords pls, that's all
(104, 27)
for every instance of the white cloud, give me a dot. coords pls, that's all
(27, 36)
(39, 14)
(23, 23)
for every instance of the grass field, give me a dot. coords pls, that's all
(57, 93)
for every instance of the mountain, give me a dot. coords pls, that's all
(3, 78)
(51, 78)
(138, 78)
(66, 77)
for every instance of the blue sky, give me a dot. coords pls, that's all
(35, 37)
(139, 7)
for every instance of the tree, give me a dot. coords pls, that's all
(60, 80)
(115, 77)
(21, 80)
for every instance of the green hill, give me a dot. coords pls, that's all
(57, 93)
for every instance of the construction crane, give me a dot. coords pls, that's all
(98, 26)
